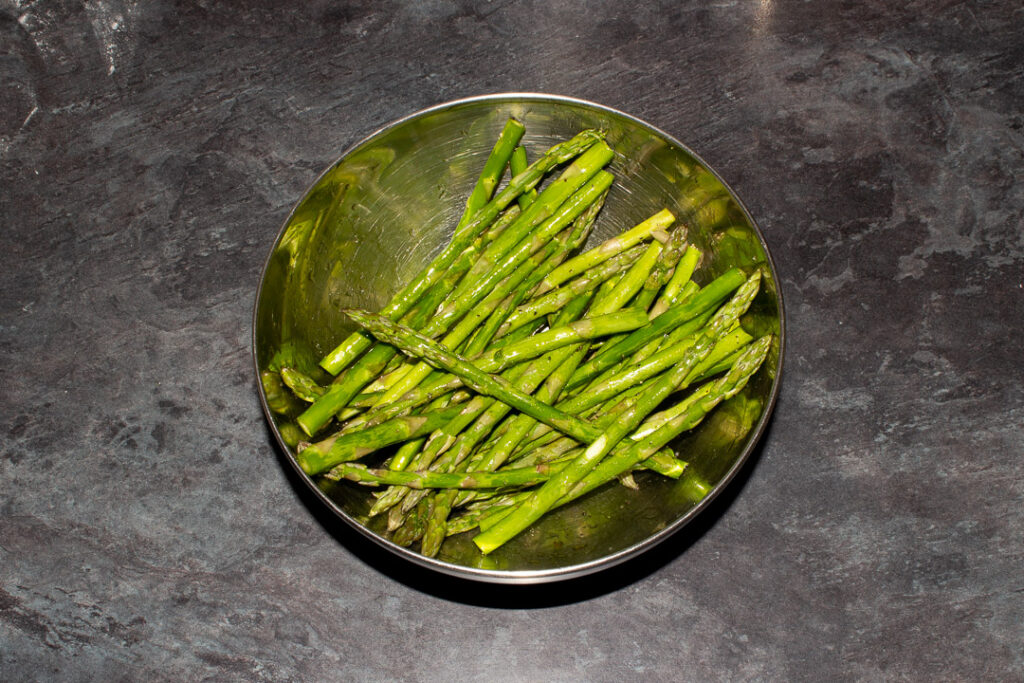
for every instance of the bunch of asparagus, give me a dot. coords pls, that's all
(515, 372)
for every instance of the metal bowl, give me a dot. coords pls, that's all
(389, 203)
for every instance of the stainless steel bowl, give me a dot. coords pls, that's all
(389, 203)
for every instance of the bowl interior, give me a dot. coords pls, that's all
(389, 204)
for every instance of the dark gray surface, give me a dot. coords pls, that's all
(150, 151)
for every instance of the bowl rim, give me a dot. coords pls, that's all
(532, 576)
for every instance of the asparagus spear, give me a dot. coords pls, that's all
(678, 420)
(415, 344)
(320, 456)
(424, 479)
(470, 519)
(556, 487)
(401, 302)
(478, 214)
(556, 299)
(493, 509)
(574, 177)
(440, 442)
(564, 245)
(719, 360)
(632, 281)
(613, 299)
(371, 364)
(573, 239)
(708, 297)
(655, 364)
(526, 380)
(516, 352)
(437, 293)
(436, 387)
(603, 252)
(414, 525)
(499, 282)
(494, 168)
(302, 385)
(581, 330)
(279, 398)
(680, 277)
(435, 531)
(396, 405)
(662, 271)
(517, 164)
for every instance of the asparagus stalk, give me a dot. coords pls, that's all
(708, 297)
(401, 302)
(517, 164)
(408, 533)
(435, 531)
(498, 283)
(405, 453)
(426, 479)
(440, 441)
(632, 282)
(556, 299)
(634, 279)
(660, 361)
(432, 299)
(470, 519)
(574, 332)
(680, 419)
(280, 398)
(606, 250)
(318, 457)
(662, 271)
(526, 380)
(495, 508)
(373, 363)
(302, 385)
(573, 240)
(494, 168)
(680, 277)
(370, 365)
(490, 270)
(558, 486)
(513, 353)
(520, 351)
(574, 177)
(415, 344)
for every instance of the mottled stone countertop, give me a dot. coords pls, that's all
(149, 528)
